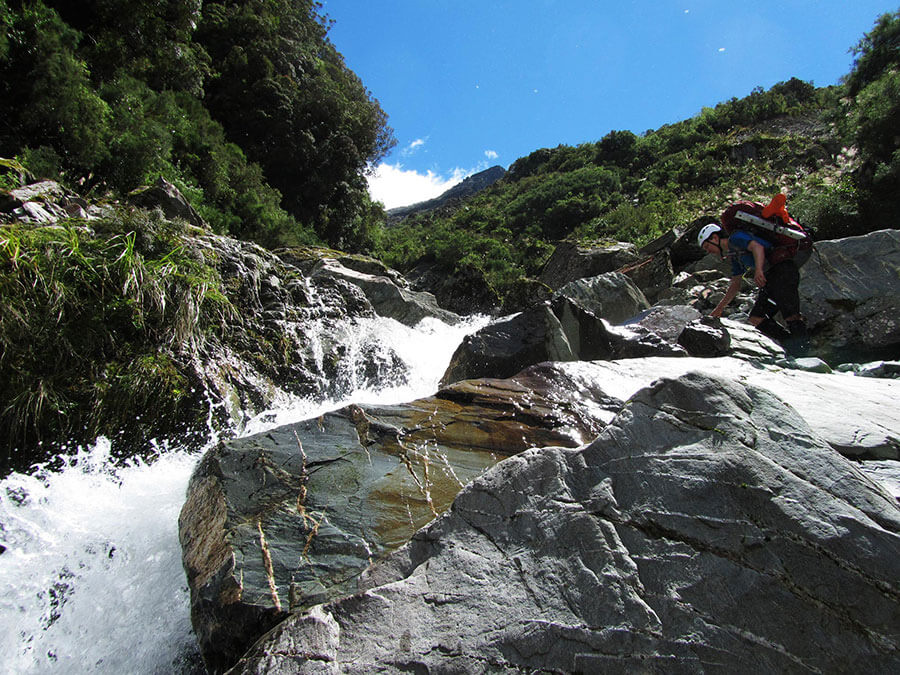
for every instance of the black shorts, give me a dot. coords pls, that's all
(780, 293)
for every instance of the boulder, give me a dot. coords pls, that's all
(660, 243)
(276, 522)
(684, 249)
(873, 369)
(850, 295)
(666, 321)
(707, 528)
(388, 298)
(464, 290)
(705, 337)
(168, 198)
(562, 330)
(653, 275)
(570, 261)
(611, 296)
(524, 294)
(43, 203)
(558, 330)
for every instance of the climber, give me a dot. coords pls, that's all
(778, 284)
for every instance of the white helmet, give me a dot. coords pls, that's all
(706, 231)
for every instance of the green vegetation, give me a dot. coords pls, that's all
(627, 187)
(96, 324)
(873, 120)
(245, 106)
(249, 110)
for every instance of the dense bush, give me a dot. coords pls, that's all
(874, 120)
(246, 106)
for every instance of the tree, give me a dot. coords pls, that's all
(285, 96)
(874, 83)
(150, 40)
(46, 97)
(877, 52)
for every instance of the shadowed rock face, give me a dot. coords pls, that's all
(558, 330)
(289, 518)
(707, 527)
(570, 262)
(850, 292)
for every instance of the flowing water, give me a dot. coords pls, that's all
(90, 570)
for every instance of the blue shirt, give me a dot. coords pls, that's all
(742, 259)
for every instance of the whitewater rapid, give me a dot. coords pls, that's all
(90, 572)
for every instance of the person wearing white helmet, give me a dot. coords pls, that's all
(778, 284)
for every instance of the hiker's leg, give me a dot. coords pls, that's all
(773, 329)
(761, 316)
(782, 287)
(782, 284)
(764, 307)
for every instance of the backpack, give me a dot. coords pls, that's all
(789, 239)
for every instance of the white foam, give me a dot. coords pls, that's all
(91, 579)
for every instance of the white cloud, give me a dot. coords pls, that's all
(721, 49)
(394, 186)
(412, 147)
(491, 154)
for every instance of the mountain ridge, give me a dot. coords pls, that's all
(469, 187)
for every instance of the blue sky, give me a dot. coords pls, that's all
(468, 84)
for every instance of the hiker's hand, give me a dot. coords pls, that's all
(759, 278)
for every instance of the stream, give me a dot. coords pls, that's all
(90, 563)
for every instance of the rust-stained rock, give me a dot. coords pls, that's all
(289, 518)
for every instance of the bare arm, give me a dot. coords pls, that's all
(759, 261)
(733, 287)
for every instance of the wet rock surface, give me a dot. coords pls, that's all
(332, 495)
(388, 293)
(299, 341)
(739, 483)
(665, 545)
(283, 520)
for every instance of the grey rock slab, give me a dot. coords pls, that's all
(389, 299)
(707, 528)
(570, 261)
(289, 518)
(611, 296)
(850, 292)
(886, 472)
(856, 416)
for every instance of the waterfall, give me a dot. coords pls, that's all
(90, 570)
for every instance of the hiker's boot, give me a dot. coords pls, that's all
(797, 344)
(774, 330)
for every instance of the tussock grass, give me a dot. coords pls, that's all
(98, 318)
